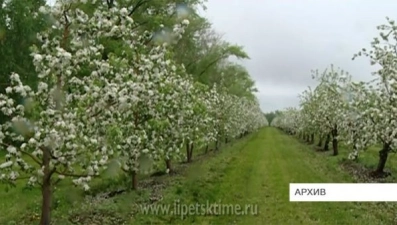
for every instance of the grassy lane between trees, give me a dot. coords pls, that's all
(260, 174)
(253, 171)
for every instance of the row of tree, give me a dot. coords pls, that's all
(88, 84)
(359, 114)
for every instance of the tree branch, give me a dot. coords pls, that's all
(135, 7)
(26, 153)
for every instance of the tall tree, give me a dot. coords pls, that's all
(19, 24)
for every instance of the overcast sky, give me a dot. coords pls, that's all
(286, 39)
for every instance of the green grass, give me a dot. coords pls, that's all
(368, 159)
(255, 170)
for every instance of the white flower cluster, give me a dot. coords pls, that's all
(87, 109)
(359, 113)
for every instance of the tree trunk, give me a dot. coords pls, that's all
(168, 164)
(335, 141)
(226, 141)
(189, 152)
(206, 149)
(312, 138)
(383, 154)
(320, 142)
(46, 190)
(327, 139)
(134, 180)
(216, 145)
(335, 146)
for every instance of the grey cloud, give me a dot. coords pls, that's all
(286, 40)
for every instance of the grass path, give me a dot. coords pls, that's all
(260, 173)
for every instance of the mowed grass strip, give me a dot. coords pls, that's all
(260, 173)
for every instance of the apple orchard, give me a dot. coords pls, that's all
(109, 91)
(356, 114)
